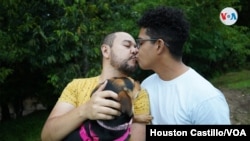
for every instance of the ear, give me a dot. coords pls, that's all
(105, 50)
(160, 46)
(126, 103)
(136, 90)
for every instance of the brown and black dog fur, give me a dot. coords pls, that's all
(128, 90)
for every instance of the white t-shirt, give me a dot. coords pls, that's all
(187, 99)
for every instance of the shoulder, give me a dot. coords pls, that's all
(79, 80)
(82, 81)
(141, 104)
(149, 79)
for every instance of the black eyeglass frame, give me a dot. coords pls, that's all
(138, 42)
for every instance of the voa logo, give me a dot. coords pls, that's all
(228, 16)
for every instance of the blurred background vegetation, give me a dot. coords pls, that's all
(45, 44)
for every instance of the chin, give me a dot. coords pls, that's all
(133, 65)
(142, 67)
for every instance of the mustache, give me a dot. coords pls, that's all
(132, 57)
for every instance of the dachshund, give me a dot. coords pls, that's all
(117, 129)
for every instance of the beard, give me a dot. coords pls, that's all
(123, 66)
(127, 69)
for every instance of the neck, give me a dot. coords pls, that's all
(169, 71)
(108, 73)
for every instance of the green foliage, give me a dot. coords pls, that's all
(45, 44)
(48, 43)
(234, 81)
(24, 129)
(217, 46)
(4, 73)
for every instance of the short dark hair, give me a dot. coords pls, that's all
(169, 24)
(109, 39)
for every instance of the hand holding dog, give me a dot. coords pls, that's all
(101, 107)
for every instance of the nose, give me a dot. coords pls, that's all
(134, 50)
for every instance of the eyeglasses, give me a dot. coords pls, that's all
(139, 42)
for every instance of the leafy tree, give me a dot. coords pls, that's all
(45, 44)
(214, 48)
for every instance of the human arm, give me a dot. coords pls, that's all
(212, 111)
(142, 117)
(64, 118)
(138, 132)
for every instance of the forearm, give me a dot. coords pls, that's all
(138, 132)
(58, 127)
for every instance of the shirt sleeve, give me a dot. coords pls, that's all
(69, 94)
(141, 105)
(212, 111)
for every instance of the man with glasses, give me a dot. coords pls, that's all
(177, 93)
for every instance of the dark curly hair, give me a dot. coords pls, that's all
(168, 24)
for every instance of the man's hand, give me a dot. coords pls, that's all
(100, 106)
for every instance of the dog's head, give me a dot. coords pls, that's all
(127, 90)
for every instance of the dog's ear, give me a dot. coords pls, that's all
(136, 90)
(126, 102)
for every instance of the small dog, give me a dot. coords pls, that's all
(117, 129)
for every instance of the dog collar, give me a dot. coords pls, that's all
(119, 127)
(93, 136)
(84, 135)
(124, 136)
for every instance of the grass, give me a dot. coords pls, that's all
(235, 81)
(29, 128)
(26, 128)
